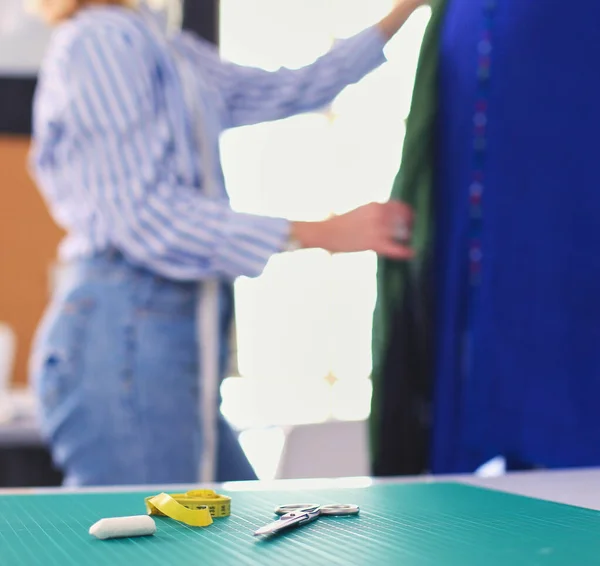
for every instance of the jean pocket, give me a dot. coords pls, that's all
(59, 357)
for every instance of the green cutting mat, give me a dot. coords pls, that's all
(399, 525)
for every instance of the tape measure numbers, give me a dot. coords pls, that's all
(195, 508)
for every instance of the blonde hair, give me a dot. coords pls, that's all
(34, 6)
(173, 8)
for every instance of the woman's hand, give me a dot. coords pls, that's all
(381, 228)
(398, 16)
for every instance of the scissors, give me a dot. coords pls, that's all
(298, 514)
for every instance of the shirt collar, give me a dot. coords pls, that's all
(160, 18)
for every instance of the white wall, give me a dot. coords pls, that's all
(22, 39)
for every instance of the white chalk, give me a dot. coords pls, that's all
(122, 527)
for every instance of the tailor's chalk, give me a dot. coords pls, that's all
(123, 527)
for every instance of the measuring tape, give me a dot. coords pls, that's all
(195, 508)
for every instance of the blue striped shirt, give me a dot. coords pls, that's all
(115, 154)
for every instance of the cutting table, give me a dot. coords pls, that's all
(407, 523)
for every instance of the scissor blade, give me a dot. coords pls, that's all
(280, 525)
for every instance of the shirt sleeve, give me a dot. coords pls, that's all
(127, 154)
(254, 95)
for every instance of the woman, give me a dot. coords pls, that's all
(503, 139)
(127, 121)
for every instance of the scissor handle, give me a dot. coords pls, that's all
(284, 509)
(339, 509)
(335, 509)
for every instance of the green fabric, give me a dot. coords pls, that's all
(413, 185)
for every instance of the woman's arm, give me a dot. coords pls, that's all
(391, 24)
(111, 143)
(254, 95)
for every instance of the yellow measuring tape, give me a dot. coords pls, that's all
(195, 508)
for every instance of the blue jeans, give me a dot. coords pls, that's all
(115, 369)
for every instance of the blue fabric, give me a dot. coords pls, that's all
(522, 379)
(116, 372)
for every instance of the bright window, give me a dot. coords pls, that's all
(307, 320)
